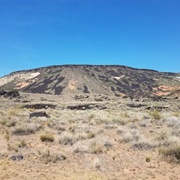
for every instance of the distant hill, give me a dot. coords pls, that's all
(112, 80)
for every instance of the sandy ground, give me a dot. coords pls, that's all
(118, 162)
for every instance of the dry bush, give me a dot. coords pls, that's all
(9, 122)
(91, 135)
(172, 122)
(26, 129)
(81, 148)
(48, 157)
(129, 135)
(135, 138)
(168, 140)
(13, 147)
(59, 126)
(47, 137)
(172, 153)
(16, 145)
(22, 144)
(3, 122)
(67, 139)
(143, 144)
(96, 147)
(155, 114)
(162, 136)
(119, 121)
(13, 112)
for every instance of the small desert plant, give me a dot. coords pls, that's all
(143, 144)
(162, 136)
(96, 147)
(91, 135)
(7, 135)
(155, 114)
(119, 121)
(172, 153)
(129, 136)
(47, 137)
(26, 129)
(3, 122)
(169, 140)
(48, 157)
(67, 139)
(148, 159)
(8, 122)
(96, 163)
(91, 116)
(173, 122)
(22, 144)
(13, 147)
(81, 148)
(13, 112)
(135, 138)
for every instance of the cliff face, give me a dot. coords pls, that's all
(92, 79)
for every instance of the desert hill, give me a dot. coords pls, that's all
(111, 80)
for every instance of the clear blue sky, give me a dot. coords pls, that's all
(136, 33)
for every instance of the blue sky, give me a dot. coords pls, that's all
(136, 33)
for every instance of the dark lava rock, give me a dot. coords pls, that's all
(86, 106)
(39, 114)
(2, 92)
(158, 98)
(77, 97)
(9, 94)
(39, 106)
(136, 105)
(98, 99)
(159, 108)
(17, 157)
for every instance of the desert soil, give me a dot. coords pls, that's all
(112, 141)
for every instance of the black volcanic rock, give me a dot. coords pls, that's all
(9, 94)
(39, 106)
(39, 114)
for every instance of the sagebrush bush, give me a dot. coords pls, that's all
(143, 144)
(67, 139)
(129, 135)
(26, 129)
(48, 157)
(81, 148)
(8, 122)
(172, 153)
(155, 114)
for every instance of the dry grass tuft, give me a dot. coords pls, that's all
(47, 137)
(96, 147)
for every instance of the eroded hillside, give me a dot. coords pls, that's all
(91, 79)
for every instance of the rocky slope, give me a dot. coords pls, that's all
(93, 79)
